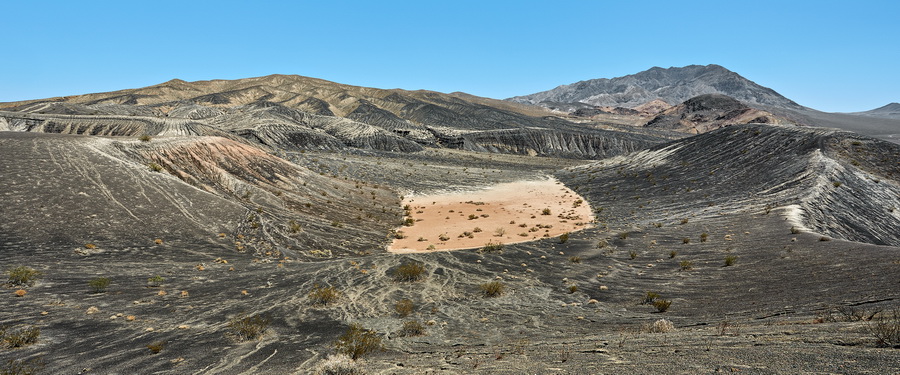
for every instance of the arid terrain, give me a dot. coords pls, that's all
(263, 225)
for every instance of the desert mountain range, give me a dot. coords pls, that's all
(243, 227)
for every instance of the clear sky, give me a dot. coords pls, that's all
(836, 56)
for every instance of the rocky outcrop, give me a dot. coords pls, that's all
(709, 112)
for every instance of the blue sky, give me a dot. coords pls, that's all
(830, 55)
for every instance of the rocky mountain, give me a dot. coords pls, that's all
(891, 111)
(300, 113)
(709, 112)
(672, 85)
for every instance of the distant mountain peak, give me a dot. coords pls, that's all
(672, 85)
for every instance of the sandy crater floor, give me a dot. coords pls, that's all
(504, 213)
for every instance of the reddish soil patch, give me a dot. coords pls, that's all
(505, 213)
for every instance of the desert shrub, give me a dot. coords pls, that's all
(411, 328)
(885, 328)
(338, 364)
(156, 280)
(572, 289)
(824, 239)
(22, 367)
(729, 260)
(492, 247)
(358, 341)
(624, 235)
(633, 254)
(99, 284)
(563, 238)
(155, 167)
(499, 232)
(672, 254)
(493, 289)
(404, 307)
(156, 347)
(323, 295)
(704, 236)
(685, 240)
(245, 328)
(662, 305)
(294, 226)
(545, 211)
(650, 297)
(473, 216)
(836, 184)
(399, 235)
(602, 243)
(660, 326)
(795, 230)
(145, 138)
(444, 237)
(575, 259)
(411, 271)
(17, 338)
(409, 222)
(23, 276)
(684, 221)
(476, 230)
(686, 265)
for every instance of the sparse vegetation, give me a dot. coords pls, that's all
(155, 281)
(660, 326)
(649, 298)
(662, 305)
(338, 364)
(885, 328)
(324, 295)
(704, 236)
(294, 226)
(624, 235)
(730, 260)
(686, 265)
(155, 167)
(411, 328)
(493, 288)
(545, 211)
(99, 284)
(246, 328)
(358, 341)
(156, 347)
(499, 232)
(575, 259)
(23, 367)
(23, 276)
(672, 254)
(795, 230)
(563, 238)
(492, 247)
(411, 271)
(145, 138)
(684, 221)
(632, 254)
(19, 337)
(572, 289)
(404, 307)
(686, 240)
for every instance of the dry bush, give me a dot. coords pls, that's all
(662, 305)
(358, 341)
(17, 338)
(245, 328)
(686, 265)
(323, 295)
(660, 326)
(156, 347)
(411, 328)
(493, 289)
(411, 271)
(338, 364)
(22, 367)
(563, 238)
(404, 307)
(545, 211)
(885, 328)
(575, 259)
(22, 276)
(492, 247)
(730, 260)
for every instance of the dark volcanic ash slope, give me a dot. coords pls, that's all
(72, 190)
(293, 112)
(831, 182)
(891, 110)
(673, 85)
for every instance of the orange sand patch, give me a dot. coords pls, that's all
(506, 213)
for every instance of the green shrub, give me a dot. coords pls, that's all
(575, 259)
(404, 307)
(358, 341)
(155, 281)
(145, 138)
(99, 284)
(572, 289)
(672, 254)
(409, 222)
(245, 328)
(633, 254)
(323, 295)
(411, 271)
(685, 240)
(662, 305)
(411, 328)
(729, 260)
(545, 211)
(563, 238)
(155, 167)
(156, 347)
(493, 289)
(686, 265)
(650, 297)
(492, 247)
(23, 276)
